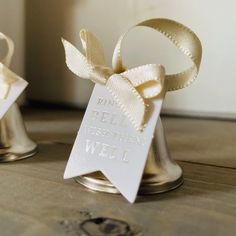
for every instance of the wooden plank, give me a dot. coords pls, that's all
(35, 200)
(202, 141)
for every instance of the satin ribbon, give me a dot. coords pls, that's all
(132, 88)
(7, 77)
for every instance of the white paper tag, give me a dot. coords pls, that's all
(107, 142)
(15, 91)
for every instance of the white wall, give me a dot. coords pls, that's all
(12, 24)
(214, 21)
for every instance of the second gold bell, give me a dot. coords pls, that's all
(14, 141)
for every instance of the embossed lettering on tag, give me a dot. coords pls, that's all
(107, 142)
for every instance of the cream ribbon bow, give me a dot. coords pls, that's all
(132, 88)
(7, 77)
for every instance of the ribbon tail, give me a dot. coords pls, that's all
(128, 99)
(93, 48)
(76, 61)
(148, 79)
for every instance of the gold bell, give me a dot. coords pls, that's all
(14, 141)
(161, 173)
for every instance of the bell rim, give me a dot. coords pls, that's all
(146, 188)
(12, 157)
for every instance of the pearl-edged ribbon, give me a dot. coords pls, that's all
(7, 77)
(132, 88)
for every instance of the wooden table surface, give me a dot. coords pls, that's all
(35, 200)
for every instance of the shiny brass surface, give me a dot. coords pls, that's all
(14, 141)
(161, 173)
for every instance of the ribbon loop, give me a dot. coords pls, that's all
(7, 77)
(130, 88)
(182, 37)
(10, 50)
(147, 79)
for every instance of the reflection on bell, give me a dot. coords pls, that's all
(14, 141)
(161, 173)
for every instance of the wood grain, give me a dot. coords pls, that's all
(35, 200)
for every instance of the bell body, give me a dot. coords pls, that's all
(161, 173)
(14, 141)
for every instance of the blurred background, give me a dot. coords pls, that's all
(37, 27)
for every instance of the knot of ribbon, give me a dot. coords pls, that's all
(7, 77)
(132, 88)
